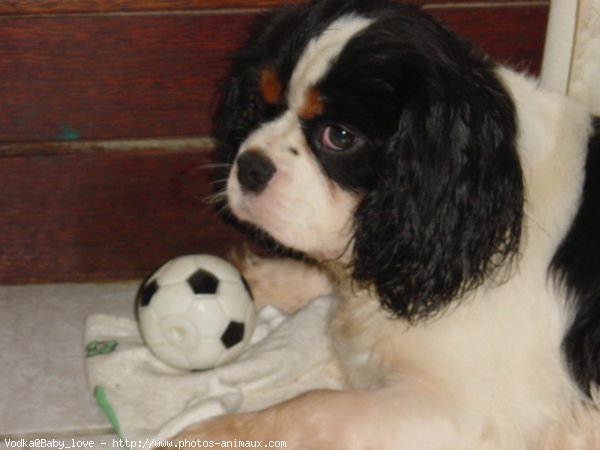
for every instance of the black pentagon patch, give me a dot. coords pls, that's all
(247, 286)
(203, 282)
(234, 334)
(146, 293)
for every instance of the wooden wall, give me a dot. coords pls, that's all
(104, 124)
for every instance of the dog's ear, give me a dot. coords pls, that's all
(446, 209)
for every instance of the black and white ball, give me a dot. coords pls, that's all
(196, 312)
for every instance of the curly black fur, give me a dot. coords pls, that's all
(447, 205)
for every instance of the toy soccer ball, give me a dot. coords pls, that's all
(196, 312)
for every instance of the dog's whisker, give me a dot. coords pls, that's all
(212, 166)
(222, 209)
(215, 198)
(220, 180)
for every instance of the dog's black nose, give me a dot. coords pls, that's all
(254, 171)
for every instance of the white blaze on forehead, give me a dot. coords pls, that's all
(320, 53)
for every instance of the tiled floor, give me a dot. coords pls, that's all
(43, 389)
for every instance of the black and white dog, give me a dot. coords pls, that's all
(455, 205)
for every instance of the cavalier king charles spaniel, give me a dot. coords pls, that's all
(454, 205)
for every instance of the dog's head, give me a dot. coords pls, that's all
(364, 131)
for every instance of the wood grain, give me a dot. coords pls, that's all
(112, 77)
(103, 216)
(512, 36)
(24, 7)
(120, 77)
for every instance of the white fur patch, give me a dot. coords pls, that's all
(319, 55)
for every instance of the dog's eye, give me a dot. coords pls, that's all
(337, 138)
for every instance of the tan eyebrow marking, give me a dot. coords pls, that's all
(271, 88)
(312, 105)
(319, 54)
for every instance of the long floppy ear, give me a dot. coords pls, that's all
(446, 210)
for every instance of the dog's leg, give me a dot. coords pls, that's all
(316, 420)
(398, 418)
(285, 283)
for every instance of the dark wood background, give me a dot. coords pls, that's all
(104, 124)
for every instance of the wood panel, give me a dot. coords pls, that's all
(117, 77)
(101, 77)
(99, 216)
(95, 6)
(513, 36)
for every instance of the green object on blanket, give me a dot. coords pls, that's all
(106, 408)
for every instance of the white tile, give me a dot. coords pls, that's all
(43, 388)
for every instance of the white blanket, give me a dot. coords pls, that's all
(145, 399)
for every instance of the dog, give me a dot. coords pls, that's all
(455, 207)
